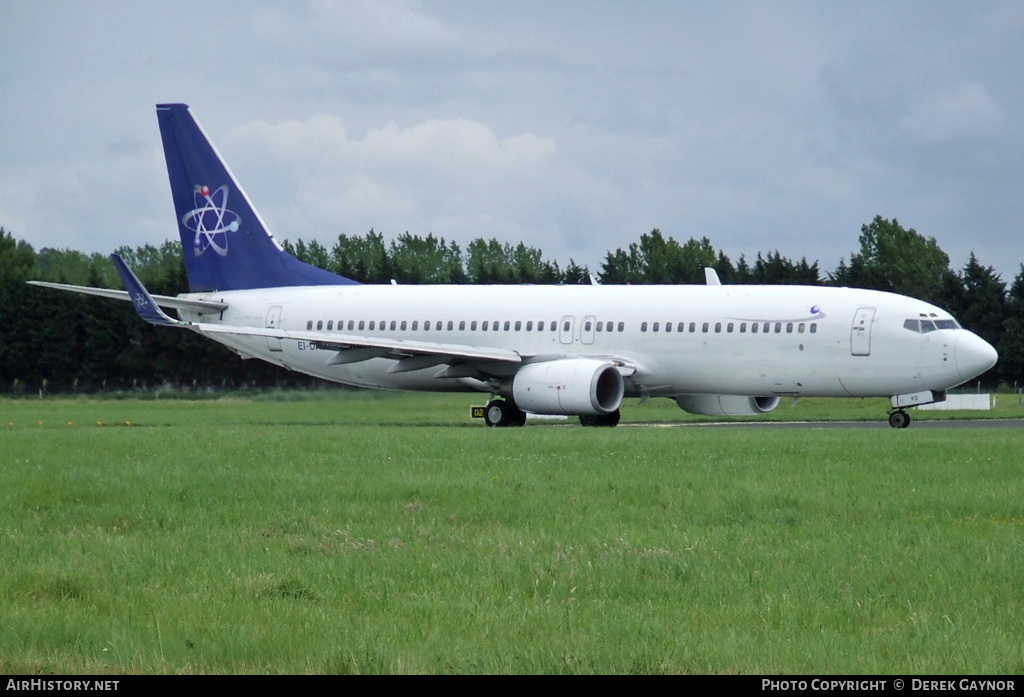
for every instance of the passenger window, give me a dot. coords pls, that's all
(693, 327)
(814, 328)
(403, 325)
(643, 326)
(766, 327)
(372, 323)
(472, 326)
(330, 325)
(656, 326)
(415, 324)
(362, 324)
(426, 326)
(728, 327)
(462, 326)
(789, 328)
(566, 327)
(506, 325)
(319, 324)
(718, 327)
(351, 325)
(753, 328)
(484, 328)
(668, 326)
(529, 326)
(451, 325)
(519, 325)
(309, 325)
(704, 327)
(554, 325)
(800, 328)
(680, 327)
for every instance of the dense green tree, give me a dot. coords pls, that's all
(657, 259)
(1011, 342)
(776, 269)
(363, 259)
(897, 260)
(415, 259)
(982, 306)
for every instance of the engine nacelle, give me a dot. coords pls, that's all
(726, 404)
(571, 386)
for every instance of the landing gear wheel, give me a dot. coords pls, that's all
(899, 419)
(500, 413)
(608, 420)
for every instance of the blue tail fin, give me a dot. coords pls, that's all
(226, 244)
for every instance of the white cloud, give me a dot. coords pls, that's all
(325, 181)
(967, 111)
(355, 27)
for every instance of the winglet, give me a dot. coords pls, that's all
(141, 299)
(711, 276)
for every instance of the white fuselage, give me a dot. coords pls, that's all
(813, 341)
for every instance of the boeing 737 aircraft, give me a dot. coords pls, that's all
(567, 350)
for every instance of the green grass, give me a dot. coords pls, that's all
(377, 533)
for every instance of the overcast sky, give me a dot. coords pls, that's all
(572, 126)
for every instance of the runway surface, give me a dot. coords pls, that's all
(882, 423)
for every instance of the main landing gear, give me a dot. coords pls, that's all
(602, 420)
(499, 412)
(899, 418)
(504, 413)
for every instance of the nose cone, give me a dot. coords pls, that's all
(973, 355)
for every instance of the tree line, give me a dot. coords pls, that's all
(62, 342)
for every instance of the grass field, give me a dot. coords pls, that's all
(378, 533)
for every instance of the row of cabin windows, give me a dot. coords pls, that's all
(755, 327)
(681, 327)
(486, 325)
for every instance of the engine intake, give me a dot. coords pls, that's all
(578, 387)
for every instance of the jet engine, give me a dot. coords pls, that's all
(577, 386)
(726, 404)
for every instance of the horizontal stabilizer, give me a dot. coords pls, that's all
(207, 306)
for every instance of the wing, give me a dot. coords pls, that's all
(353, 348)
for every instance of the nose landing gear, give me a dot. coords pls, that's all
(899, 418)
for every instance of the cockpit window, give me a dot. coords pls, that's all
(924, 326)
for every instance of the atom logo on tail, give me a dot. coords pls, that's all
(211, 220)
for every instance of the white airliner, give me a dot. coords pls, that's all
(566, 350)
